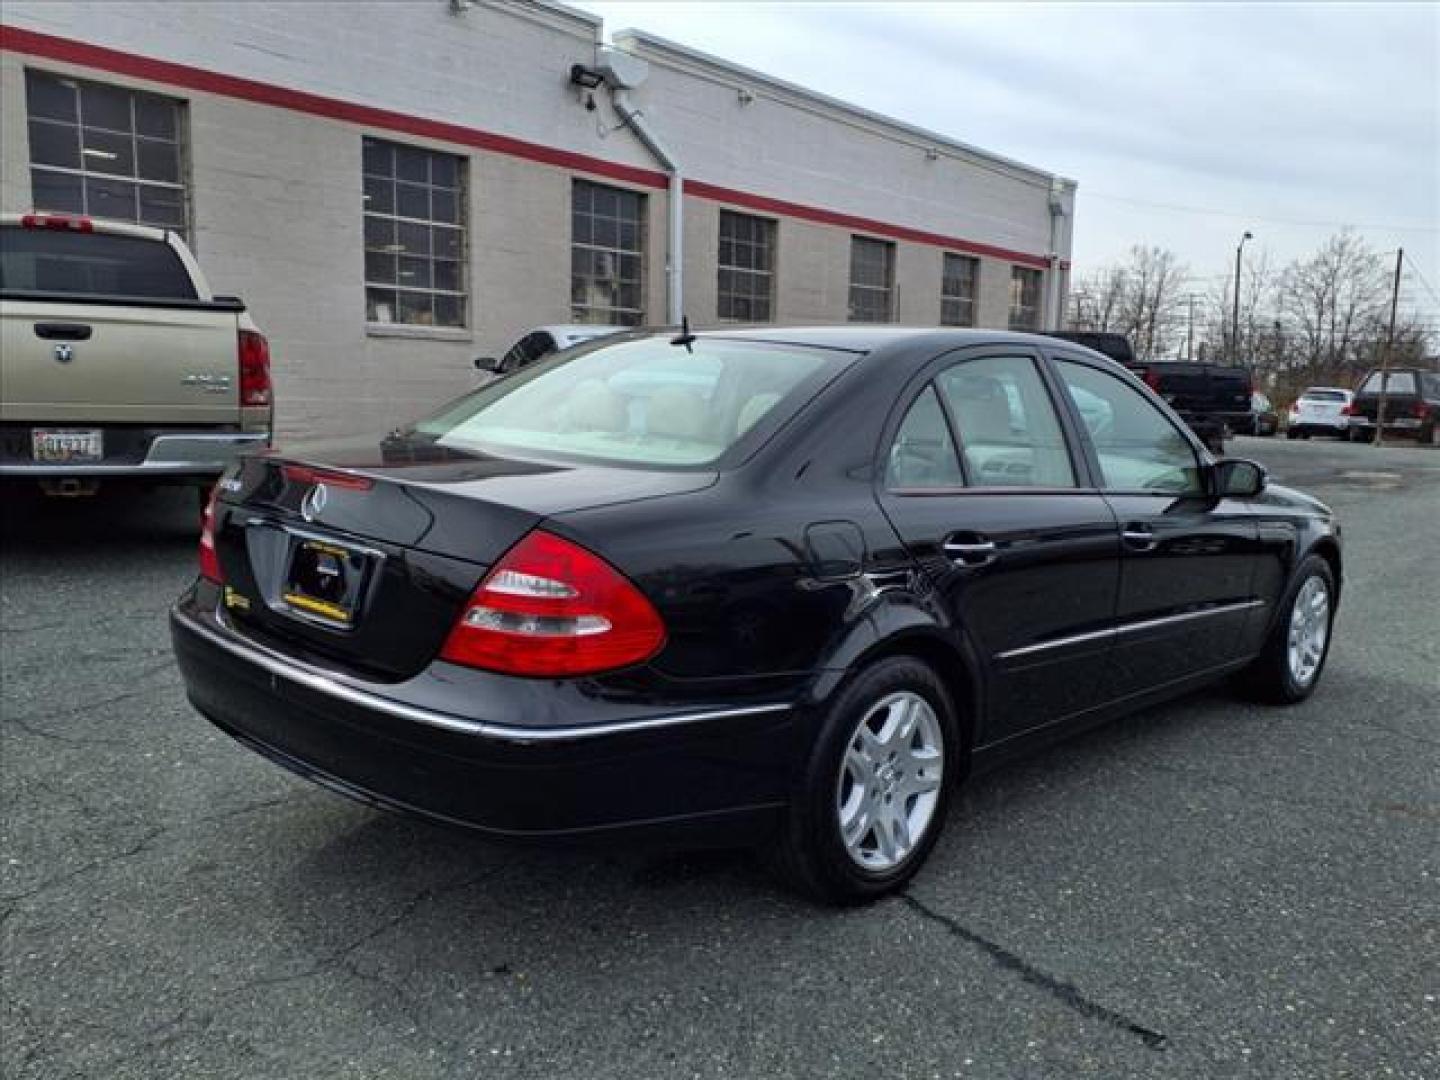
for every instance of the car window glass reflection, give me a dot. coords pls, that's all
(1138, 447)
(1008, 431)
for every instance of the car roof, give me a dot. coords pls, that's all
(870, 338)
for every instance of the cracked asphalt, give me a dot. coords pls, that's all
(1209, 889)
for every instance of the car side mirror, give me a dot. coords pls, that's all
(1238, 478)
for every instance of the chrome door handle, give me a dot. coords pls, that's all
(1139, 537)
(977, 554)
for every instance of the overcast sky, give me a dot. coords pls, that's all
(1290, 120)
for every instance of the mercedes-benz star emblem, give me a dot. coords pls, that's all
(314, 502)
(64, 353)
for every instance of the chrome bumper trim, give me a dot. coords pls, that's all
(335, 686)
(1130, 628)
(169, 455)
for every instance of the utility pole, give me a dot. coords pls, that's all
(1190, 333)
(1385, 354)
(1235, 322)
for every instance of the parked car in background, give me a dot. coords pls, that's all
(117, 361)
(540, 343)
(1264, 419)
(779, 586)
(1319, 410)
(1412, 405)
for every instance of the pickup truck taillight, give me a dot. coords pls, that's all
(1422, 410)
(1152, 380)
(254, 369)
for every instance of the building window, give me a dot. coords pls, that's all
(105, 151)
(872, 280)
(747, 267)
(414, 235)
(607, 255)
(959, 281)
(1024, 298)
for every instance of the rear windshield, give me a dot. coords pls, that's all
(644, 401)
(1398, 382)
(1323, 395)
(96, 264)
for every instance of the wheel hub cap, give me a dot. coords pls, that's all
(1309, 630)
(889, 783)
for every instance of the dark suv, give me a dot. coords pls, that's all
(1412, 405)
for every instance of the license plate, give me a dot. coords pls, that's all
(325, 580)
(69, 446)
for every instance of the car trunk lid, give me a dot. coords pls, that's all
(363, 552)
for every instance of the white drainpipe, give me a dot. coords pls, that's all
(1054, 302)
(675, 247)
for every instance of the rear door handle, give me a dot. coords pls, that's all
(970, 549)
(1139, 536)
(62, 331)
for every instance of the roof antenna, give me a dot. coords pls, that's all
(686, 338)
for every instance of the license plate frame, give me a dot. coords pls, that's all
(67, 446)
(325, 580)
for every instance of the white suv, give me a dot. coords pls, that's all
(1320, 410)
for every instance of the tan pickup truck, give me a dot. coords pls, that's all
(117, 361)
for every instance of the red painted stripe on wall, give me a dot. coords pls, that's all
(33, 43)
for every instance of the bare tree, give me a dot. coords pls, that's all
(1331, 302)
(1097, 300)
(1142, 298)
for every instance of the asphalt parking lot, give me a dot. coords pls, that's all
(1210, 889)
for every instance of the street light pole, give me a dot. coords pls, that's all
(1235, 320)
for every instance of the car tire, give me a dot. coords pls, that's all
(1302, 630)
(810, 852)
(1291, 433)
(1430, 434)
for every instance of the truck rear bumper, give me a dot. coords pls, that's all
(184, 454)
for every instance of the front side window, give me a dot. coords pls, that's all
(606, 255)
(1024, 298)
(959, 283)
(747, 267)
(923, 453)
(1009, 433)
(1139, 449)
(644, 402)
(872, 280)
(414, 235)
(106, 151)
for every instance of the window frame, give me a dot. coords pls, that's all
(181, 143)
(770, 227)
(640, 252)
(947, 298)
(1082, 462)
(1016, 272)
(857, 240)
(462, 295)
(1081, 434)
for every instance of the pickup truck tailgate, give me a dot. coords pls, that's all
(115, 363)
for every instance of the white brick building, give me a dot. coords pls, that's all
(395, 188)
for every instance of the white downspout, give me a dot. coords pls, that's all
(675, 243)
(1054, 302)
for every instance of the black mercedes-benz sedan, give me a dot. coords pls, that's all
(781, 587)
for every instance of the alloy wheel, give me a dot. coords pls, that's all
(889, 784)
(1309, 630)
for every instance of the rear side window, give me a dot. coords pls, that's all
(1009, 433)
(1398, 382)
(923, 454)
(643, 402)
(97, 264)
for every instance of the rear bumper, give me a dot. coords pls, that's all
(1398, 423)
(181, 454)
(721, 772)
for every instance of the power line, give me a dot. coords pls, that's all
(1182, 209)
(1412, 268)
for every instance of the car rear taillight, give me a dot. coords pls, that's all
(254, 369)
(1422, 410)
(551, 609)
(209, 560)
(1152, 380)
(62, 222)
(1347, 410)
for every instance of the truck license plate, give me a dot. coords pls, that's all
(55, 446)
